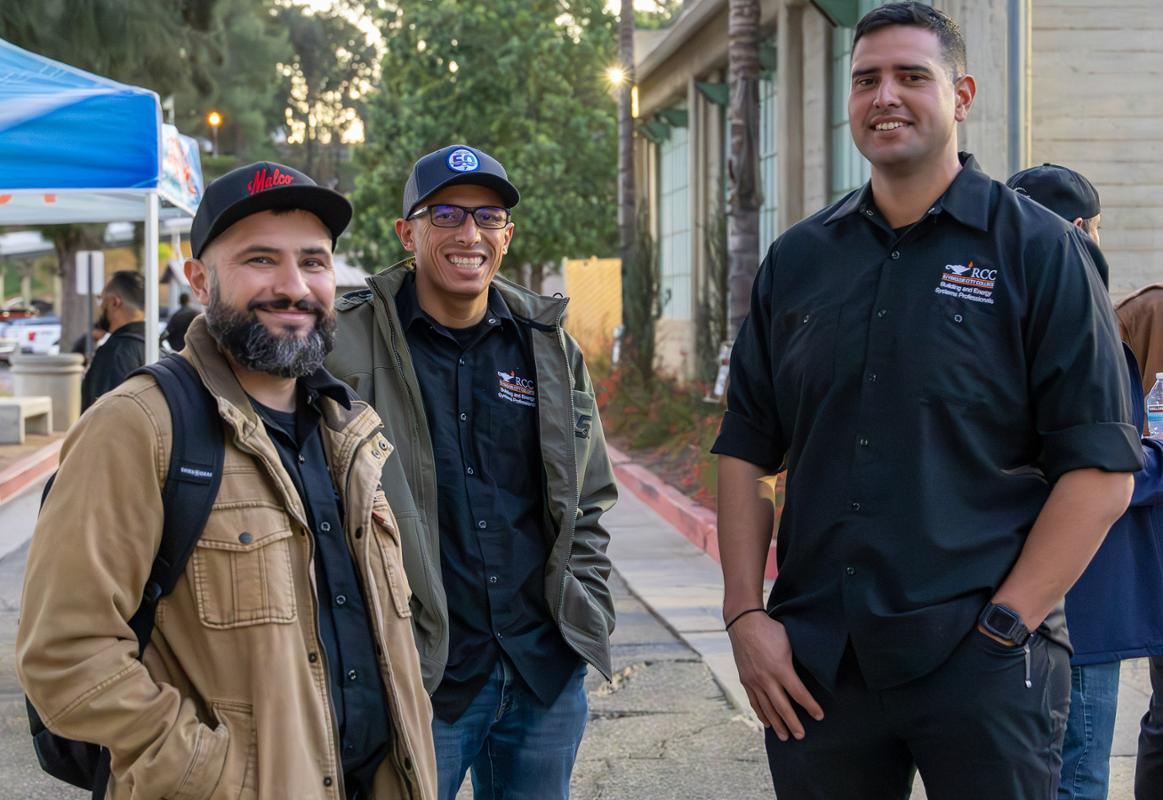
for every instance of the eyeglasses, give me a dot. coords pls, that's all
(447, 216)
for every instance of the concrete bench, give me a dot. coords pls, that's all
(15, 412)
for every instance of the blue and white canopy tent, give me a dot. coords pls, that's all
(76, 147)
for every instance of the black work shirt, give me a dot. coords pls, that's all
(357, 691)
(480, 397)
(924, 389)
(122, 353)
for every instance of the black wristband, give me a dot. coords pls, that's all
(742, 614)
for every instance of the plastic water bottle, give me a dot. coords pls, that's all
(1155, 408)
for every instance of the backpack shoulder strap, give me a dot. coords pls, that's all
(195, 473)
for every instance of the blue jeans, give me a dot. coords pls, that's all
(517, 748)
(1090, 731)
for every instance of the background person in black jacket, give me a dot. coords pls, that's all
(122, 309)
(180, 322)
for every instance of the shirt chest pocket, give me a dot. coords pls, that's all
(806, 354)
(242, 566)
(965, 353)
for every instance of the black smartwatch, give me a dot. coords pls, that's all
(1005, 623)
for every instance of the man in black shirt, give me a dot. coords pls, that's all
(123, 315)
(955, 452)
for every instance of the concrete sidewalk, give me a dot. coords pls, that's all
(684, 587)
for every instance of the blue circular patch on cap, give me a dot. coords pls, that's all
(462, 160)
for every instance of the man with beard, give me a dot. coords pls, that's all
(122, 314)
(282, 665)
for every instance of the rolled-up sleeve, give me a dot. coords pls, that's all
(1079, 396)
(751, 429)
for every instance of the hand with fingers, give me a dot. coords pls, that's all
(763, 657)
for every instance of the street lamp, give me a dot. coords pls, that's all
(215, 120)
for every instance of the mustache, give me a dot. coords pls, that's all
(285, 304)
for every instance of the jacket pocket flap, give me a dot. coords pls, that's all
(243, 529)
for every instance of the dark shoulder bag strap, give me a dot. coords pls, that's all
(196, 455)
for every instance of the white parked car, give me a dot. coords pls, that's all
(37, 335)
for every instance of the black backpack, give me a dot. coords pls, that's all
(190, 488)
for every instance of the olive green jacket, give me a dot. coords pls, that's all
(372, 356)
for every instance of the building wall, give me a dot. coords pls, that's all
(1097, 108)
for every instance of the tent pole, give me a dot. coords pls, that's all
(151, 278)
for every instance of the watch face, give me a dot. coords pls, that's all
(1000, 620)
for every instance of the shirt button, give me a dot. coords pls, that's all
(933, 210)
(325, 526)
(957, 318)
(352, 675)
(492, 579)
(460, 361)
(463, 416)
(863, 441)
(872, 377)
(882, 313)
(807, 318)
(850, 570)
(481, 524)
(312, 657)
(896, 255)
(855, 506)
(469, 471)
(327, 780)
(340, 599)
(868, 212)
(245, 538)
(500, 635)
(302, 458)
(492, 320)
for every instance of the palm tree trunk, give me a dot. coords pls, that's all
(627, 238)
(745, 196)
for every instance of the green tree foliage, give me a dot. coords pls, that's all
(331, 70)
(244, 84)
(522, 80)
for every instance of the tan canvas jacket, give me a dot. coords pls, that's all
(232, 699)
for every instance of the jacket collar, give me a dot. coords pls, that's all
(408, 305)
(517, 300)
(966, 200)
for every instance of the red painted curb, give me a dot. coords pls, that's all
(27, 471)
(693, 520)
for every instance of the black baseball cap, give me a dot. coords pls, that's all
(457, 164)
(1060, 189)
(264, 186)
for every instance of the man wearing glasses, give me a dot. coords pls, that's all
(498, 481)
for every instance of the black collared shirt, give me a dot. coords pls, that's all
(480, 397)
(357, 691)
(924, 389)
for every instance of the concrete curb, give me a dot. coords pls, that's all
(29, 470)
(694, 521)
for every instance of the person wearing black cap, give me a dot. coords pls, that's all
(1115, 610)
(500, 480)
(955, 452)
(283, 663)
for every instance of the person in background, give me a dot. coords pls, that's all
(1115, 610)
(179, 322)
(123, 315)
(1140, 318)
(82, 346)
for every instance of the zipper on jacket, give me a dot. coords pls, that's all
(572, 521)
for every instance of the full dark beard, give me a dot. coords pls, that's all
(247, 339)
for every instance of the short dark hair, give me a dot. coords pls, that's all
(919, 15)
(183, 298)
(129, 286)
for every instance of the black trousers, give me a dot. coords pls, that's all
(972, 728)
(1149, 762)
